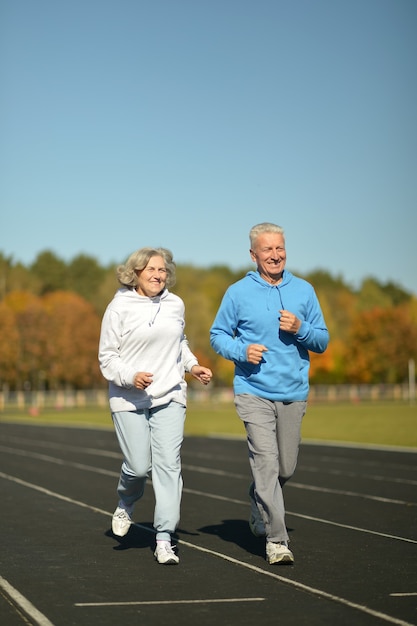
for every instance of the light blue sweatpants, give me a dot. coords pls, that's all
(150, 441)
(273, 431)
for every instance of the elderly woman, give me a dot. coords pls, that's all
(144, 354)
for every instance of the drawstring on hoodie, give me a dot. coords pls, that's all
(271, 287)
(280, 297)
(153, 317)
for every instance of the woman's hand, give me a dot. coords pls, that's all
(203, 374)
(142, 380)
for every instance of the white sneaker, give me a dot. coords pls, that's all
(121, 522)
(278, 553)
(164, 553)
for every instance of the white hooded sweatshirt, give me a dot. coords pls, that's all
(141, 334)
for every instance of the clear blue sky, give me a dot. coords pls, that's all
(183, 123)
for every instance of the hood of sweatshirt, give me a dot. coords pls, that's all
(125, 298)
(268, 289)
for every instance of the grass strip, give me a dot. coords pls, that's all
(374, 423)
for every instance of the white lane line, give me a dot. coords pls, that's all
(377, 477)
(57, 461)
(204, 494)
(292, 484)
(216, 472)
(24, 604)
(353, 494)
(401, 481)
(292, 583)
(64, 446)
(158, 602)
(53, 494)
(349, 527)
(214, 496)
(213, 472)
(404, 595)
(298, 585)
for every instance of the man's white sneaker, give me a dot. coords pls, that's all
(121, 522)
(164, 553)
(278, 553)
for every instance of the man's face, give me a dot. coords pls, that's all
(269, 255)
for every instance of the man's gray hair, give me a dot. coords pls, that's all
(264, 227)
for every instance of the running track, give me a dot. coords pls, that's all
(351, 514)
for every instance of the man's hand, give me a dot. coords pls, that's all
(289, 322)
(254, 353)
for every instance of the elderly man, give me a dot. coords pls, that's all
(266, 324)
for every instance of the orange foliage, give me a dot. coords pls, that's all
(74, 330)
(9, 352)
(380, 345)
(50, 340)
(320, 363)
(20, 301)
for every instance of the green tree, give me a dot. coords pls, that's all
(108, 287)
(85, 277)
(337, 300)
(372, 295)
(202, 291)
(15, 277)
(51, 271)
(396, 294)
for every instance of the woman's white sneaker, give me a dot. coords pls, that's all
(278, 553)
(121, 522)
(164, 553)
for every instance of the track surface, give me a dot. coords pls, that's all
(351, 513)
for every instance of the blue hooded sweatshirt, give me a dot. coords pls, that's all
(249, 313)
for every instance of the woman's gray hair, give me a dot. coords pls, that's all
(126, 274)
(265, 227)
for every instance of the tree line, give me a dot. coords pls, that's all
(51, 310)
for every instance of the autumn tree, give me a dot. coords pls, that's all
(32, 326)
(51, 311)
(49, 342)
(337, 301)
(74, 329)
(380, 344)
(202, 291)
(9, 353)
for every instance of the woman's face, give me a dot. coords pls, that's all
(152, 279)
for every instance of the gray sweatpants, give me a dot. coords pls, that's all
(273, 431)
